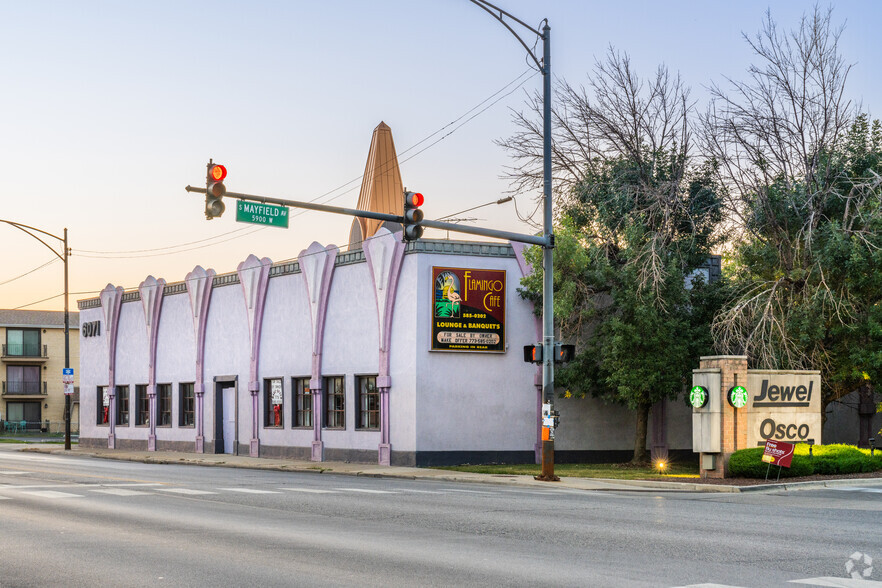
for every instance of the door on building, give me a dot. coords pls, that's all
(225, 417)
(229, 419)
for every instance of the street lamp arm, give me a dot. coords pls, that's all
(25, 229)
(487, 6)
(65, 251)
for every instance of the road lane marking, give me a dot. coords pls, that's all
(876, 490)
(469, 491)
(38, 486)
(309, 490)
(366, 491)
(420, 491)
(838, 582)
(11, 473)
(52, 494)
(249, 490)
(120, 492)
(708, 586)
(136, 485)
(187, 491)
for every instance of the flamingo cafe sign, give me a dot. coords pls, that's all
(468, 309)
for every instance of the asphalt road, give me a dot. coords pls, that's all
(90, 522)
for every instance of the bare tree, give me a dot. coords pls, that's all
(777, 127)
(634, 219)
(779, 139)
(617, 116)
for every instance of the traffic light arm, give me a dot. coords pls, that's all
(530, 239)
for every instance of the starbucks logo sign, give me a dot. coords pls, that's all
(698, 396)
(737, 396)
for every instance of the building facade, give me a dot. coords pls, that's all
(33, 359)
(339, 356)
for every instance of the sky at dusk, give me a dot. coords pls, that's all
(109, 109)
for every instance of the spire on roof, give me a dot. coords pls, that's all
(381, 187)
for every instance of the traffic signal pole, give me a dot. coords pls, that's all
(546, 240)
(547, 260)
(519, 237)
(544, 66)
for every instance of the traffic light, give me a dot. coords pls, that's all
(561, 353)
(413, 216)
(564, 353)
(215, 190)
(533, 353)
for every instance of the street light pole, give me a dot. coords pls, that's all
(63, 257)
(548, 234)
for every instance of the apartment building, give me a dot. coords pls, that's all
(33, 349)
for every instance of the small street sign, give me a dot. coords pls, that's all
(67, 378)
(262, 214)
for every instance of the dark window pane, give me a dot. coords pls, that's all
(303, 403)
(368, 403)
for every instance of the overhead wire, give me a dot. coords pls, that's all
(127, 289)
(50, 262)
(517, 82)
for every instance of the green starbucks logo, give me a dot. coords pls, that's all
(737, 396)
(698, 396)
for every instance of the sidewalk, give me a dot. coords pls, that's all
(413, 473)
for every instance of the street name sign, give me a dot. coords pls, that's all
(67, 378)
(262, 214)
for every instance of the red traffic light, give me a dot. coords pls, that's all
(217, 173)
(414, 199)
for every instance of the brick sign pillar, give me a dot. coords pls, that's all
(715, 446)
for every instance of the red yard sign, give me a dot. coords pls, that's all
(778, 453)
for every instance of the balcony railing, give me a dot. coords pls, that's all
(25, 350)
(14, 387)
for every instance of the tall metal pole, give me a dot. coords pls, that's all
(66, 346)
(548, 234)
(547, 258)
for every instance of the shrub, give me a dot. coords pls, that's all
(825, 460)
(748, 463)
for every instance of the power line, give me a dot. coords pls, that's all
(289, 260)
(81, 251)
(500, 201)
(38, 301)
(520, 80)
(50, 262)
(111, 255)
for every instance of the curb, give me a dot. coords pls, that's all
(585, 484)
